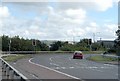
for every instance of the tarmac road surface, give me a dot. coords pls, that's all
(62, 66)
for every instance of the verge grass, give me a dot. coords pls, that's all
(13, 58)
(102, 58)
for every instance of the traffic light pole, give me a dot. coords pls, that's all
(9, 45)
(34, 45)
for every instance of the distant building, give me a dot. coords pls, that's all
(106, 43)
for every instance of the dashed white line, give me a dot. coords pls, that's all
(51, 58)
(54, 64)
(71, 67)
(63, 67)
(54, 70)
(108, 65)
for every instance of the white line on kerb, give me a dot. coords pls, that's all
(54, 70)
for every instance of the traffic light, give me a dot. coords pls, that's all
(90, 41)
(34, 42)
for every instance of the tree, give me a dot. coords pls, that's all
(42, 46)
(15, 43)
(55, 46)
(117, 41)
(5, 43)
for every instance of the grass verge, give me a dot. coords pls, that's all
(92, 52)
(99, 58)
(13, 58)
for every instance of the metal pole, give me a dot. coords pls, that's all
(94, 37)
(73, 39)
(9, 45)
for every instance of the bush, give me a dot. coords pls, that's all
(112, 50)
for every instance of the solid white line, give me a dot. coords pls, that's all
(54, 70)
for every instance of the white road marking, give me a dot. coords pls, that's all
(108, 65)
(93, 67)
(97, 70)
(63, 67)
(54, 64)
(51, 58)
(57, 68)
(71, 67)
(54, 70)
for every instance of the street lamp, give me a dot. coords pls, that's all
(74, 38)
(94, 34)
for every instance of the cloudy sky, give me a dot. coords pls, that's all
(52, 20)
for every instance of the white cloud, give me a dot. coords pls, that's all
(103, 5)
(93, 24)
(76, 15)
(4, 12)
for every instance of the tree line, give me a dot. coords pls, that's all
(20, 44)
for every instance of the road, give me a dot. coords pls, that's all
(79, 68)
(76, 68)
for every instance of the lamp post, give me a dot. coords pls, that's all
(94, 34)
(94, 37)
(74, 39)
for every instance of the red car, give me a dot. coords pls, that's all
(78, 54)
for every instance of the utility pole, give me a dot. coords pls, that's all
(73, 39)
(94, 34)
(9, 45)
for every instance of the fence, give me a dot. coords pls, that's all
(10, 73)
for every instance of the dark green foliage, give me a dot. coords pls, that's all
(55, 46)
(21, 44)
(117, 42)
(112, 50)
(5, 42)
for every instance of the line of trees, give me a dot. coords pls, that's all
(20, 44)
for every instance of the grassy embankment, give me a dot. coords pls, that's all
(92, 52)
(101, 58)
(13, 58)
